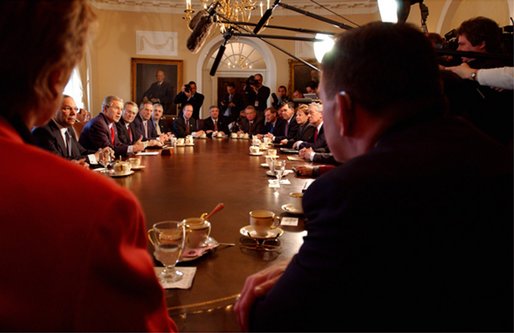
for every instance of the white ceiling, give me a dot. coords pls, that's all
(341, 7)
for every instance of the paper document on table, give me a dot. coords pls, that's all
(147, 153)
(282, 182)
(289, 221)
(184, 283)
(294, 158)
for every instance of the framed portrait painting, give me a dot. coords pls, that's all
(301, 75)
(156, 80)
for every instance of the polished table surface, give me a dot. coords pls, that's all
(191, 181)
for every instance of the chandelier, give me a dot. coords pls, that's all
(228, 12)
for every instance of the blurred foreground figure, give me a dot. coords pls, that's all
(74, 254)
(414, 231)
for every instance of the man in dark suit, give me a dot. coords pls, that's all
(58, 137)
(160, 91)
(273, 125)
(286, 110)
(232, 103)
(190, 95)
(186, 124)
(257, 94)
(101, 131)
(126, 130)
(414, 231)
(251, 124)
(281, 97)
(143, 124)
(215, 123)
(161, 128)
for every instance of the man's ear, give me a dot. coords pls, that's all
(482, 46)
(345, 113)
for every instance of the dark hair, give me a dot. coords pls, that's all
(482, 29)
(383, 64)
(231, 84)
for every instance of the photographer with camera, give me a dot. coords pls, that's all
(189, 95)
(257, 94)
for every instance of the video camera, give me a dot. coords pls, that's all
(187, 88)
(251, 81)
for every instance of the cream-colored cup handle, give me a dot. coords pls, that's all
(151, 235)
(276, 222)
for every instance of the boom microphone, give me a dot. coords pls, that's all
(203, 24)
(217, 60)
(265, 17)
(219, 56)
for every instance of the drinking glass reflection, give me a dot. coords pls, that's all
(168, 239)
(280, 168)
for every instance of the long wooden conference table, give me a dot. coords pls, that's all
(194, 179)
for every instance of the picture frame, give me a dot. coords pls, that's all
(143, 75)
(300, 74)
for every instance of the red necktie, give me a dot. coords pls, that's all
(316, 134)
(130, 134)
(112, 135)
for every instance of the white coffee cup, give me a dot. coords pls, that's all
(233, 135)
(262, 221)
(240, 135)
(246, 135)
(266, 140)
(296, 201)
(197, 230)
(254, 149)
(134, 162)
(121, 167)
(180, 141)
(221, 134)
(272, 152)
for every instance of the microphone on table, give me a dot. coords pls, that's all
(265, 17)
(201, 24)
(217, 60)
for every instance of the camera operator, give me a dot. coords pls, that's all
(189, 95)
(257, 94)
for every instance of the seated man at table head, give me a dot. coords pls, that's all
(251, 124)
(74, 251)
(58, 136)
(101, 131)
(185, 124)
(215, 123)
(402, 235)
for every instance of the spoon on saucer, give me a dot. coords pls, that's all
(216, 209)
